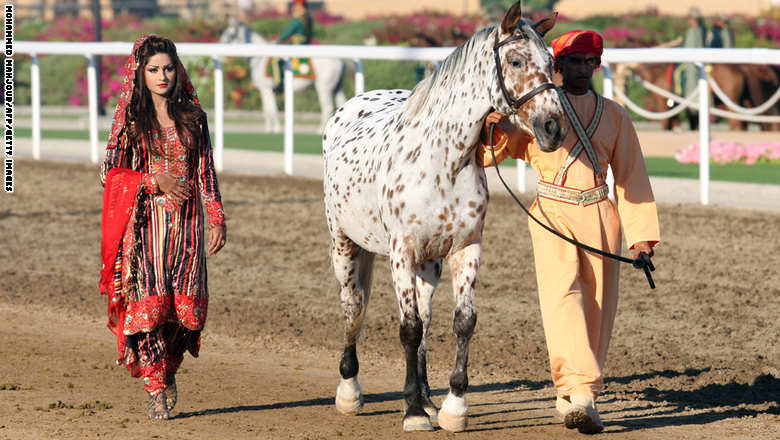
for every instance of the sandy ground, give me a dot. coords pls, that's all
(697, 358)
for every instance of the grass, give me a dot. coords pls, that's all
(312, 144)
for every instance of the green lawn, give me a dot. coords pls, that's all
(312, 144)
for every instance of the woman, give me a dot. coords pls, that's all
(158, 173)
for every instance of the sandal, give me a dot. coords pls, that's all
(157, 409)
(170, 391)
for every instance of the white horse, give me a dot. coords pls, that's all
(328, 79)
(401, 180)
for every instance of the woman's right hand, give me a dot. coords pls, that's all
(173, 186)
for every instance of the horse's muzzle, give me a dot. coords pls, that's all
(550, 132)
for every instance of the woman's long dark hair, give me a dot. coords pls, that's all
(141, 115)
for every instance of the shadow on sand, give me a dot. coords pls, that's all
(710, 403)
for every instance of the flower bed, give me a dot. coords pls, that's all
(725, 152)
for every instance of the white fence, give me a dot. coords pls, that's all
(218, 51)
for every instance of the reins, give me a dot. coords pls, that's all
(643, 261)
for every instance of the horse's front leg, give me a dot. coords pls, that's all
(428, 277)
(353, 267)
(464, 264)
(411, 331)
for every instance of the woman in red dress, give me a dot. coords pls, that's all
(158, 175)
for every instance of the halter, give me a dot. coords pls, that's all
(514, 103)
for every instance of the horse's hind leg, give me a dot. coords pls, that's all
(353, 267)
(464, 264)
(426, 281)
(404, 280)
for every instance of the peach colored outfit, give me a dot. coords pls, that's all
(578, 291)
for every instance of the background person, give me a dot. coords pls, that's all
(299, 31)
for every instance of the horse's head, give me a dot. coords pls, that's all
(522, 88)
(237, 32)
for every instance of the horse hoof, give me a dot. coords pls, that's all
(430, 409)
(349, 407)
(349, 396)
(452, 423)
(417, 423)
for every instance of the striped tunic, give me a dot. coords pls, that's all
(163, 261)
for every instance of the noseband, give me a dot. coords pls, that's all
(514, 103)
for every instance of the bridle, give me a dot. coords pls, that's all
(515, 103)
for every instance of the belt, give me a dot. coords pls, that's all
(571, 195)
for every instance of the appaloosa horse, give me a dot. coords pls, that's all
(401, 180)
(328, 80)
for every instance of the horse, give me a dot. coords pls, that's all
(748, 85)
(328, 80)
(401, 180)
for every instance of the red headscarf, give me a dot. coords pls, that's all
(578, 41)
(126, 93)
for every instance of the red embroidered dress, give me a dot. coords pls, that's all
(154, 248)
(166, 281)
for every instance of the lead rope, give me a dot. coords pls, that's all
(643, 261)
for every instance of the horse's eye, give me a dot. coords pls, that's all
(516, 64)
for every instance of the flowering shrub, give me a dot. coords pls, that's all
(724, 152)
(426, 29)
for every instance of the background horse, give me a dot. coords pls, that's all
(328, 79)
(748, 85)
(401, 180)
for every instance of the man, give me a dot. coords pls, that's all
(578, 290)
(299, 31)
(687, 80)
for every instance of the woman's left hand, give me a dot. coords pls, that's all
(217, 238)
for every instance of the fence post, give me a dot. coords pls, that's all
(521, 175)
(219, 110)
(93, 108)
(289, 112)
(704, 135)
(609, 83)
(609, 93)
(35, 85)
(360, 78)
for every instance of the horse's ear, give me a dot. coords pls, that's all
(512, 18)
(544, 25)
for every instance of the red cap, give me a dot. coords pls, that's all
(299, 2)
(578, 41)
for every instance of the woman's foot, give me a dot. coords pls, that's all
(171, 393)
(157, 409)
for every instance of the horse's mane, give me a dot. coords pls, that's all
(452, 64)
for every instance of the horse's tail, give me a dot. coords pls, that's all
(348, 70)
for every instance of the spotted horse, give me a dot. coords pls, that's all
(401, 180)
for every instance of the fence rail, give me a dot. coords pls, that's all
(218, 51)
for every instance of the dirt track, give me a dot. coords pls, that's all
(699, 357)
